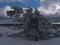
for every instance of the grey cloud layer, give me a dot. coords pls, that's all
(50, 8)
(49, 2)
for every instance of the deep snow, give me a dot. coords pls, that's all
(21, 41)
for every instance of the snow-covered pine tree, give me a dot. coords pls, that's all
(36, 24)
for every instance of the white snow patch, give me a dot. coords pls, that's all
(21, 41)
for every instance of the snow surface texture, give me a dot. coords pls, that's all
(21, 41)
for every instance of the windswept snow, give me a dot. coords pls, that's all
(21, 41)
(8, 30)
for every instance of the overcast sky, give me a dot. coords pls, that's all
(50, 9)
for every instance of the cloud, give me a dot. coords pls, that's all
(4, 10)
(49, 2)
(50, 8)
(46, 11)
